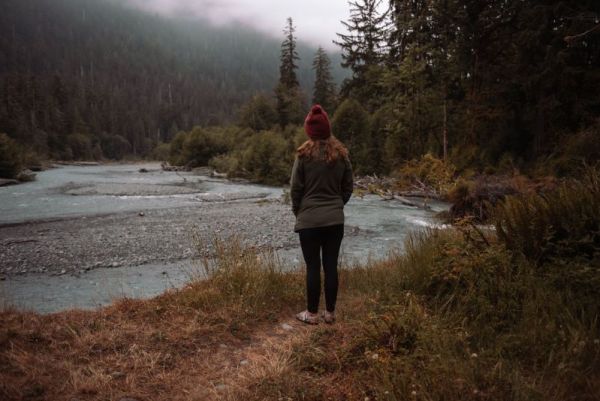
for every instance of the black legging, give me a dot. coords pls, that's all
(312, 240)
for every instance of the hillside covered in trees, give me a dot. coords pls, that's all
(480, 85)
(93, 79)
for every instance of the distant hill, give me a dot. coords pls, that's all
(93, 73)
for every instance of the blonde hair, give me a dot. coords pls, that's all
(333, 149)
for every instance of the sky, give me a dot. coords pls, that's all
(316, 21)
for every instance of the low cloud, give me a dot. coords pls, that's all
(316, 21)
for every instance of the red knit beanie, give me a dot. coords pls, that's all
(316, 124)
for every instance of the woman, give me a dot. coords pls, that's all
(320, 187)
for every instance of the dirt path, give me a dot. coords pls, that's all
(238, 368)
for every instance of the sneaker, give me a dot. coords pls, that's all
(329, 317)
(307, 317)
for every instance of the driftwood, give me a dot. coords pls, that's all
(7, 181)
(406, 202)
(386, 187)
(168, 167)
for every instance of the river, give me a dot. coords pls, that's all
(69, 201)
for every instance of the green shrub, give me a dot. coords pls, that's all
(258, 114)
(10, 157)
(430, 172)
(267, 158)
(197, 147)
(161, 152)
(176, 149)
(201, 145)
(228, 164)
(351, 124)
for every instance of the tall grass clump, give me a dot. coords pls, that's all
(559, 234)
(245, 281)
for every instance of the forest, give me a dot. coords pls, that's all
(482, 85)
(93, 79)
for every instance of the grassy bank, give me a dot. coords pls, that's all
(463, 314)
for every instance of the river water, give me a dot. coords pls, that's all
(109, 189)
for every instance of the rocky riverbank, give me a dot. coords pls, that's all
(76, 245)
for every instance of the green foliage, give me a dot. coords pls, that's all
(458, 70)
(324, 89)
(161, 152)
(267, 158)
(476, 317)
(428, 171)
(137, 75)
(289, 56)
(227, 163)
(198, 147)
(351, 124)
(291, 105)
(258, 114)
(561, 223)
(290, 98)
(176, 149)
(10, 157)
(201, 145)
(362, 49)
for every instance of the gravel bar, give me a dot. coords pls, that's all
(76, 245)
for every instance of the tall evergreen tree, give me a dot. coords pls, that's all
(364, 46)
(290, 101)
(289, 56)
(324, 90)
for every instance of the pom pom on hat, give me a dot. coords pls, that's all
(316, 124)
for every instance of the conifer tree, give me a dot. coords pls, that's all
(290, 101)
(324, 91)
(364, 46)
(289, 56)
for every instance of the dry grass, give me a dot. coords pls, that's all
(460, 316)
(183, 345)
